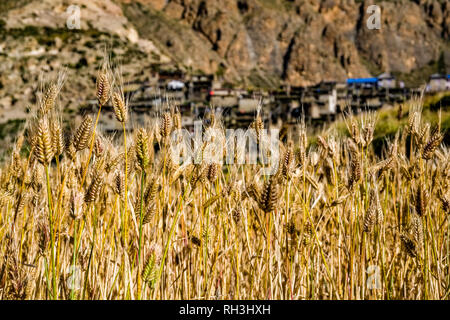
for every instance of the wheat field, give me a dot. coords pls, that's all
(87, 216)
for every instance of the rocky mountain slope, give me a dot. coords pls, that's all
(300, 41)
(244, 42)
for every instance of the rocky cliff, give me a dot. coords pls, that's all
(300, 41)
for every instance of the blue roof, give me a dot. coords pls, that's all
(362, 80)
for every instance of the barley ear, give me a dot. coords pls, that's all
(142, 148)
(43, 143)
(103, 87)
(83, 133)
(120, 108)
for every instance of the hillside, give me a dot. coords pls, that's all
(243, 42)
(302, 41)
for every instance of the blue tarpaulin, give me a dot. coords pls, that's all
(362, 80)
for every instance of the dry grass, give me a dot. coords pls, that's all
(92, 218)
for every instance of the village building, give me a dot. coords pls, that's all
(386, 80)
(362, 82)
(437, 82)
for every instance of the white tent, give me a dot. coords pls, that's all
(175, 85)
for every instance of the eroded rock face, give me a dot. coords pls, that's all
(407, 39)
(306, 41)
